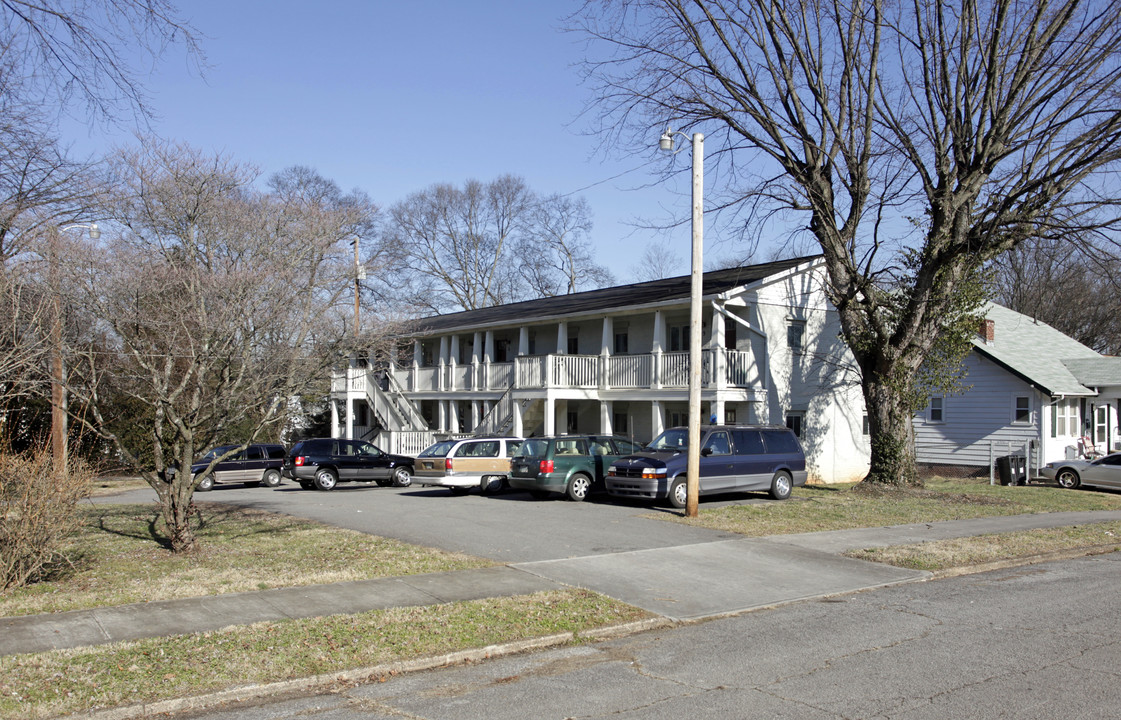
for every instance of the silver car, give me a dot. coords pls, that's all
(1104, 472)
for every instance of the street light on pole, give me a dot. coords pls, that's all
(693, 458)
(59, 424)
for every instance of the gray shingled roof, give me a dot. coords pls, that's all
(613, 298)
(1041, 355)
(1096, 372)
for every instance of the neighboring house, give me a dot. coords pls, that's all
(616, 361)
(1026, 385)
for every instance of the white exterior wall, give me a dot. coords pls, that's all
(981, 420)
(821, 382)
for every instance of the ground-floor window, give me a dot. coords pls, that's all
(619, 423)
(794, 422)
(1064, 418)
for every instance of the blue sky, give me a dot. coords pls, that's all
(391, 97)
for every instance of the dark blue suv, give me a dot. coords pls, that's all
(733, 458)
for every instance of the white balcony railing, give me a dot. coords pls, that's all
(735, 369)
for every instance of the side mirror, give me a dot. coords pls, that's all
(706, 451)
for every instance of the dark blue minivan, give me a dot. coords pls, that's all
(734, 458)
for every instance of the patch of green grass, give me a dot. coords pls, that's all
(842, 507)
(117, 558)
(63, 681)
(963, 552)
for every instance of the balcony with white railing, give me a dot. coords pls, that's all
(734, 369)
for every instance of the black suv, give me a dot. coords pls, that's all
(324, 462)
(257, 464)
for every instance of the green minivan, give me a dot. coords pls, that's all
(569, 464)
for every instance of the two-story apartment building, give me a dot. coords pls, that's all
(616, 360)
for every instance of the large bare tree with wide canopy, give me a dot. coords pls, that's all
(914, 141)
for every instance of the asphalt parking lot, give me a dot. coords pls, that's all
(507, 527)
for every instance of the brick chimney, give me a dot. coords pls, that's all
(987, 331)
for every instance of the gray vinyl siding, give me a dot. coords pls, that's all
(979, 418)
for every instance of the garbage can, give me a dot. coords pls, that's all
(1004, 470)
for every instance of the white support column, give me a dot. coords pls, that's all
(550, 416)
(442, 420)
(657, 348)
(718, 410)
(562, 338)
(657, 419)
(606, 346)
(453, 416)
(488, 358)
(606, 418)
(476, 360)
(349, 418)
(334, 418)
(523, 340)
(518, 430)
(476, 418)
(453, 360)
(418, 355)
(719, 357)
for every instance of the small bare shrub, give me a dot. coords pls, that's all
(38, 511)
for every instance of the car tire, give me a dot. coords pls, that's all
(578, 487)
(491, 484)
(678, 493)
(781, 485)
(205, 485)
(326, 479)
(402, 477)
(270, 479)
(1068, 478)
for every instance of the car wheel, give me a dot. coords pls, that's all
(678, 493)
(1068, 478)
(458, 490)
(326, 479)
(402, 477)
(491, 484)
(578, 487)
(781, 485)
(206, 484)
(271, 478)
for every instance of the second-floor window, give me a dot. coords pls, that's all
(795, 335)
(679, 338)
(621, 343)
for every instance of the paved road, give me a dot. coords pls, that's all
(1031, 642)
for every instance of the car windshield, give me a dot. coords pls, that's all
(673, 439)
(440, 449)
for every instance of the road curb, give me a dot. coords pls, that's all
(1026, 560)
(375, 673)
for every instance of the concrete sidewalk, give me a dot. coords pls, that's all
(688, 582)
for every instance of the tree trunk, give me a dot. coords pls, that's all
(892, 433)
(177, 506)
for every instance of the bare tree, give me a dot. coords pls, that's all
(487, 244)
(659, 260)
(53, 52)
(209, 305)
(554, 253)
(1072, 287)
(914, 141)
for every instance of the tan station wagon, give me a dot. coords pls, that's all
(460, 465)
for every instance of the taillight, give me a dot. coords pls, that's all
(547, 466)
(448, 464)
(299, 460)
